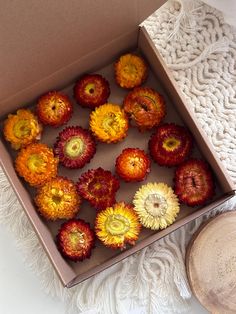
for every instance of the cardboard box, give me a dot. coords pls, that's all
(47, 46)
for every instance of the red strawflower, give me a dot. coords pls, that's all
(194, 182)
(75, 147)
(91, 90)
(98, 186)
(75, 240)
(170, 145)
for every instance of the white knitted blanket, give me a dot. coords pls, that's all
(200, 49)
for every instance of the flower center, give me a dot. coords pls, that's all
(90, 89)
(171, 143)
(193, 181)
(59, 198)
(36, 163)
(109, 123)
(117, 225)
(54, 105)
(56, 199)
(156, 205)
(130, 70)
(145, 103)
(98, 187)
(135, 164)
(76, 237)
(74, 147)
(22, 128)
(135, 161)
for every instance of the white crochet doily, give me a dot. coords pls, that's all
(200, 49)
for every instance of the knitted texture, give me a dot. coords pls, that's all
(200, 49)
(201, 52)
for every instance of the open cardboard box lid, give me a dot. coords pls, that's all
(39, 38)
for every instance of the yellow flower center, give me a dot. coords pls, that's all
(171, 143)
(74, 147)
(58, 198)
(36, 163)
(90, 88)
(130, 70)
(117, 224)
(54, 104)
(109, 123)
(76, 237)
(97, 186)
(135, 162)
(22, 128)
(156, 205)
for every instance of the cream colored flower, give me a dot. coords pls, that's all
(156, 205)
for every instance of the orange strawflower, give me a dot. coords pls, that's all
(130, 71)
(58, 199)
(133, 164)
(54, 109)
(145, 107)
(36, 164)
(109, 123)
(22, 128)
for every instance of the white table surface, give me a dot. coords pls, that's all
(20, 290)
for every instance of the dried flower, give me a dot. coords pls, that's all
(109, 123)
(170, 144)
(194, 182)
(133, 164)
(145, 107)
(91, 90)
(156, 205)
(118, 225)
(130, 71)
(22, 128)
(98, 186)
(58, 199)
(54, 109)
(36, 164)
(75, 240)
(75, 147)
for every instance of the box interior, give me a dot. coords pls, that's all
(105, 157)
(103, 257)
(41, 42)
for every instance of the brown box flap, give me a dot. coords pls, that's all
(40, 37)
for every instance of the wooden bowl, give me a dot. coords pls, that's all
(211, 264)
